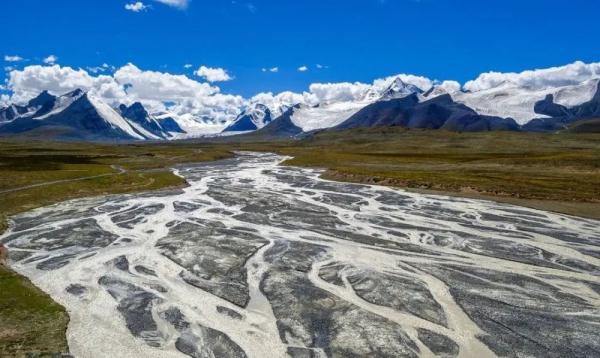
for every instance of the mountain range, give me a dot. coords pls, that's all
(506, 107)
(78, 115)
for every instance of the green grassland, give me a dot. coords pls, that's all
(558, 172)
(39, 173)
(31, 324)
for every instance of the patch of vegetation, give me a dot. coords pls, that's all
(32, 324)
(39, 173)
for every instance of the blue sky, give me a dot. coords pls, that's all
(353, 40)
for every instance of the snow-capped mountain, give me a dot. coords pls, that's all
(504, 107)
(143, 121)
(433, 92)
(331, 114)
(513, 103)
(282, 127)
(310, 118)
(49, 105)
(560, 116)
(79, 115)
(190, 126)
(169, 124)
(36, 107)
(509, 100)
(399, 89)
(11, 112)
(533, 108)
(252, 118)
(440, 112)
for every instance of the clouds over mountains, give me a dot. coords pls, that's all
(128, 84)
(213, 74)
(538, 79)
(180, 94)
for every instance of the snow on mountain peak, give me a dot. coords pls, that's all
(57, 104)
(399, 89)
(259, 113)
(114, 119)
(254, 117)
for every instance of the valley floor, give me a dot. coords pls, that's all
(254, 259)
(554, 172)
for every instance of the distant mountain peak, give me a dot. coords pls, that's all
(435, 91)
(82, 115)
(398, 89)
(255, 116)
(138, 114)
(135, 112)
(75, 93)
(41, 99)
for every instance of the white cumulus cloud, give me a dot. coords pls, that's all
(160, 86)
(570, 74)
(50, 60)
(450, 86)
(279, 102)
(97, 69)
(321, 93)
(180, 4)
(423, 83)
(32, 80)
(338, 92)
(302, 68)
(158, 91)
(272, 69)
(287, 98)
(136, 6)
(14, 58)
(213, 74)
(4, 100)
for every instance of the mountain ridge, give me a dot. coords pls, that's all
(77, 115)
(397, 102)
